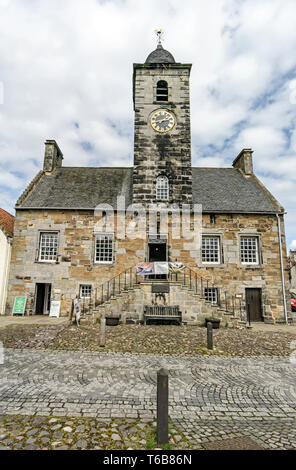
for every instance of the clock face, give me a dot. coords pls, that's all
(162, 121)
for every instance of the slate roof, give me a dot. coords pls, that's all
(6, 223)
(160, 56)
(217, 189)
(228, 190)
(81, 188)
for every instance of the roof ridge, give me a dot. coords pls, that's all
(213, 168)
(97, 167)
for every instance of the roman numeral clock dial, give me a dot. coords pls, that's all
(162, 121)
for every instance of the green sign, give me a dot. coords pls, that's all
(19, 306)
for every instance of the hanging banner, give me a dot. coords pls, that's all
(161, 268)
(145, 269)
(176, 268)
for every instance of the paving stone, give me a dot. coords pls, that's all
(31, 440)
(252, 392)
(81, 444)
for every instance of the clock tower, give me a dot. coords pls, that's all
(162, 141)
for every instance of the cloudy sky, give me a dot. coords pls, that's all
(66, 74)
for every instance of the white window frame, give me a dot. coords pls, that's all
(251, 263)
(107, 259)
(217, 237)
(88, 287)
(211, 294)
(162, 188)
(41, 237)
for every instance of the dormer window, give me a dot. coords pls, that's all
(162, 188)
(162, 92)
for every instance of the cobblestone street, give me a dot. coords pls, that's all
(210, 397)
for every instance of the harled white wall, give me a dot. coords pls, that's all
(5, 253)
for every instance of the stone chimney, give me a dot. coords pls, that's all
(244, 161)
(53, 156)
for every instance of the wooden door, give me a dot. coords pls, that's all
(254, 303)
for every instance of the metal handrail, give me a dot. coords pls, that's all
(189, 278)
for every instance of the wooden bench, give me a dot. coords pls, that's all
(160, 312)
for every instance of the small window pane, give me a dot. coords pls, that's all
(211, 250)
(162, 189)
(48, 246)
(211, 295)
(85, 291)
(249, 250)
(104, 249)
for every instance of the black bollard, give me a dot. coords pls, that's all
(249, 314)
(162, 407)
(210, 335)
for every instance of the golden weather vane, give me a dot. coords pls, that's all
(159, 33)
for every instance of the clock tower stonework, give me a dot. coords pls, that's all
(162, 140)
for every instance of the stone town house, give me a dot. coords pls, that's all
(59, 253)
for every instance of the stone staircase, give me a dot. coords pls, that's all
(129, 297)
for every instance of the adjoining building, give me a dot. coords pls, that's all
(292, 265)
(6, 234)
(238, 262)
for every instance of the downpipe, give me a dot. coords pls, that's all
(282, 266)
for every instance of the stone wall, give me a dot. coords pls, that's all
(76, 265)
(162, 154)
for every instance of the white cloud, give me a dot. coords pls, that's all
(70, 62)
(293, 245)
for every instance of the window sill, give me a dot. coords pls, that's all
(104, 264)
(47, 262)
(251, 266)
(212, 265)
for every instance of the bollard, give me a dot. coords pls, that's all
(162, 407)
(103, 332)
(249, 314)
(210, 335)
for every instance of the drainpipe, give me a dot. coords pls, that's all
(282, 266)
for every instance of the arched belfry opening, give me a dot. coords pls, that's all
(162, 91)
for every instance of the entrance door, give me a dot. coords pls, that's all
(43, 296)
(157, 253)
(254, 300)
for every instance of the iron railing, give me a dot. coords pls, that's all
(188, 278)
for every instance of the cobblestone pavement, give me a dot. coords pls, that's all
(38, 432)
(152, 339)
(210, 397)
